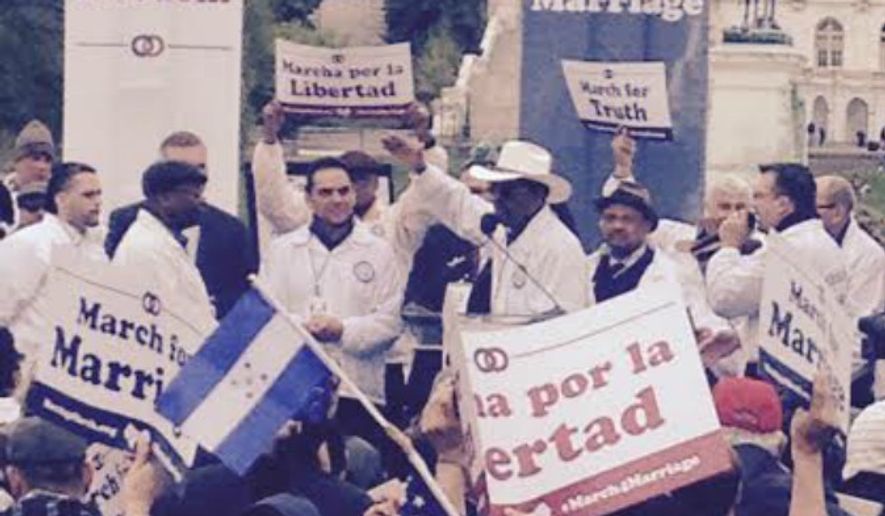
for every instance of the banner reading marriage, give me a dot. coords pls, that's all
(802, 326)
(589, 412)
(345, 82)
(111, 347)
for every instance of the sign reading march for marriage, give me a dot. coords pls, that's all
(111, 347)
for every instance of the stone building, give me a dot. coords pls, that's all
(842, 79)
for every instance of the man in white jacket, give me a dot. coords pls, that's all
(784, 203)
(346, 285)
(154, 246)
(74, 204)
(530, 260)
(864, 258)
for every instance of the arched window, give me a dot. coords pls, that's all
(829, 41)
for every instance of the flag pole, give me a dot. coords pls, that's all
(394, 433)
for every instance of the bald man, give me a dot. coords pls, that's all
(864, 257)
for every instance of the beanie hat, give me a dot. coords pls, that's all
(34, 138)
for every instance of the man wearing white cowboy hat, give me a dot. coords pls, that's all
(545, 258)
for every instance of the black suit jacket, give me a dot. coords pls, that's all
(225, 254)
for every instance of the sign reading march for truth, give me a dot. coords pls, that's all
(110, 349)
(346, 82)
(802, 327)
(589, 412)
(610, 95)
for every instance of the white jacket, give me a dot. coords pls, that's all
(283, 207)
(25, 258)
(734, 281)
(359, 282)
(865, 261)
(149, 250)
(546, 248)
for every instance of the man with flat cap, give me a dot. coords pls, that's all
(154, 246)
(626, 261)
(529, 258)
(45, 470)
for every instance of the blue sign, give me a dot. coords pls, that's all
(667, 31)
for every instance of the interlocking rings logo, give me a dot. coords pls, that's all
(608, 73)
(490, 360)
(148, 45)
(151, 303)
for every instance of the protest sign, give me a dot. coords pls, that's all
(345, 82)
(802, 327)
(672, 33)
(136, 71)
(589, 412)
(611, 95)
(111, 346)
(109, 468)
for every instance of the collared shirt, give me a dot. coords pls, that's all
(358, 281)
(150, 250)
(25, 259)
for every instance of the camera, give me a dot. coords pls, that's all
(873, 328)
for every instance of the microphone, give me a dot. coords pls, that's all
(487, 224)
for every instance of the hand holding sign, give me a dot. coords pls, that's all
(144, 482)
(811, 430)
(406, 152)
(623, 150)
(272, 117)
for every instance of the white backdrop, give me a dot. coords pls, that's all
(137, 70)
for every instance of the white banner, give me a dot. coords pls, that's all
(345, 82)
(589, 412)
(111, 346)
(136, 71)
(802, 327)
(610, 95)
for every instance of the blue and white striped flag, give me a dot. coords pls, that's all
(252, 375)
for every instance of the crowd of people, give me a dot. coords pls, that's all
(353, 267)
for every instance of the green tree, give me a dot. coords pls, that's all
(31, 67)
(439, 31)
(437, 66)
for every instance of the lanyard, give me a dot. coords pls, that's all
(317, 290)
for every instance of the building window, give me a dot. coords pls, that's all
(829, 41)
(882, 48)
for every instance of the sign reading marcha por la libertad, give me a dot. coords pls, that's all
(111, 346)
(588, 412)
(346, 82)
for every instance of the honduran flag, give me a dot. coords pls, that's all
(252, 375)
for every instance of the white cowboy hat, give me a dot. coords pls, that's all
(525, 160)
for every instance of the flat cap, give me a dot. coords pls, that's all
(35, 441)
